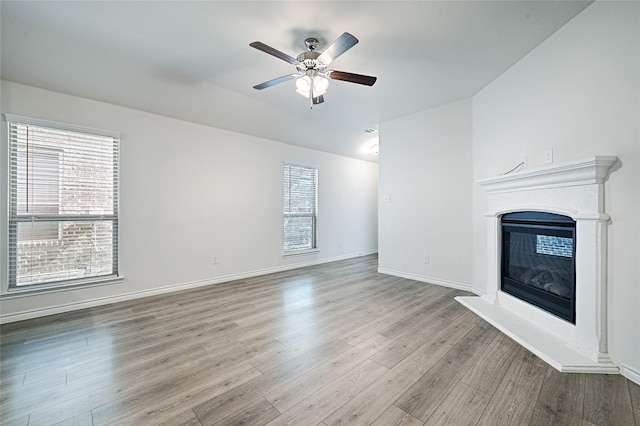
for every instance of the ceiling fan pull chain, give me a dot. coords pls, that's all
(311, 93)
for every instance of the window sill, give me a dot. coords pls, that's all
(55, 288)
(300, 252)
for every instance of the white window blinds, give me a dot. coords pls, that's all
(300, 208)
(63, 203)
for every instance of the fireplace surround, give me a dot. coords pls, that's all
(574, 190)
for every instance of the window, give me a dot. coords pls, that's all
(300, 208)
(63, 204)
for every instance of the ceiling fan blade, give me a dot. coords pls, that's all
(318, 100)
(274, 81)
(343, 43)
(353, 78)
(274, 52)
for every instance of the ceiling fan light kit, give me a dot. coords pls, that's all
(312, 84)
(312, 75)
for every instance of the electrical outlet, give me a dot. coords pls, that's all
(548, 156)
(524, 161)
(214, 260)
(425, 259)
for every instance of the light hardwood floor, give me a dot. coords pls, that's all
(336, 344)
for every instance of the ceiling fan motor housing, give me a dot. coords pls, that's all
(309, 61)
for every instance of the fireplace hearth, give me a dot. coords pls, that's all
(538, 261)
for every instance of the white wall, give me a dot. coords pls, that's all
(578, 93)
(189, 192)
(425, 171)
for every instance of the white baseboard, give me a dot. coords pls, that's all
(630, 373)
(429, 280)
(68, 307)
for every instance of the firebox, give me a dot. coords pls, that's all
(538, 261)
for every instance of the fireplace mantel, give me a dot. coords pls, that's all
(574, 189)
(582, 172)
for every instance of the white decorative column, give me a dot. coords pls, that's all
(574, 189)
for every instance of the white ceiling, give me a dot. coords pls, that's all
(192, 60)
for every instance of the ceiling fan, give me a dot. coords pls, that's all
(312, 75)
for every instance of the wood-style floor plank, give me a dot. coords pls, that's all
(514, 400)
(332, 344)
(394, 416)
(607, 400)
(257, 413)
(184, 418)
(227, 404)
(488, 369)
(455, 320)
(294, 391)
(319, 405)
(165, 409)
(426, 394)
(561, 399)
(634, 393)
(463, 406)
(18, 421)
(368, 405)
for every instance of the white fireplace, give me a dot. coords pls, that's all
(574, 189)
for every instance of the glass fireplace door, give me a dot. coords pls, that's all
(538, 261)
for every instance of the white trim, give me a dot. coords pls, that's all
(13, 118)
(300, 252)
(574, 173)
(58, 286)
(630, 373)
(298, 164)
(36, 313)
(429, 280)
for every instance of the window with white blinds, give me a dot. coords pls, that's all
(300, 208)
(63, 204)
